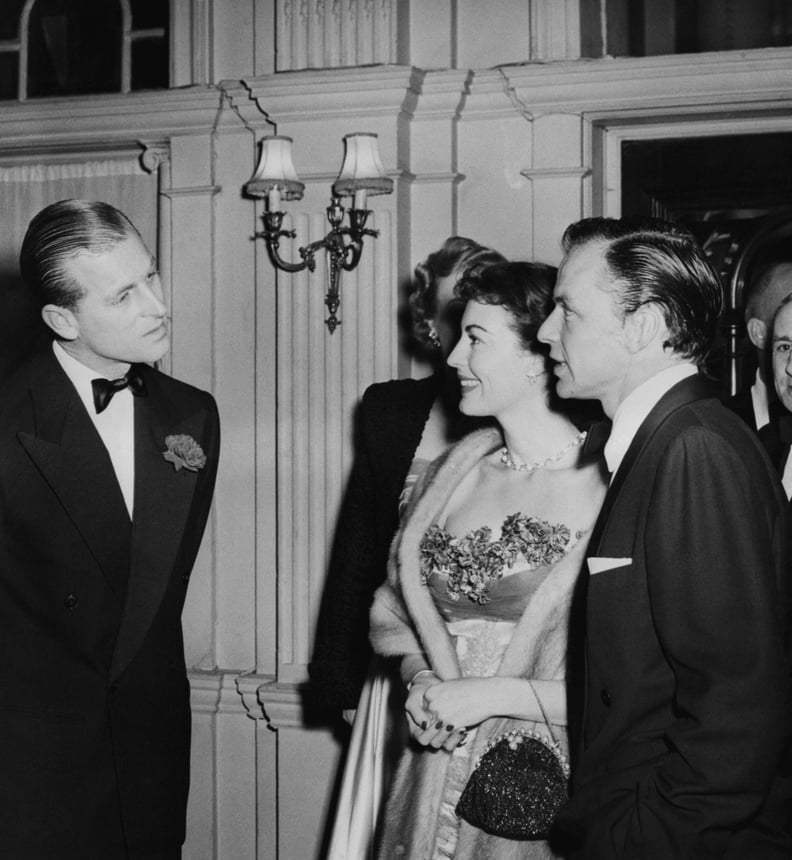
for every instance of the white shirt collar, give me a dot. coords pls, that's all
(760, 400)
(636, 406)
(79, 374)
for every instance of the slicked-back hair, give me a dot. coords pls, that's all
(455, 254)
(59, 232)
(785, 302)
(759, 295)
(524, 290)
(654, 261)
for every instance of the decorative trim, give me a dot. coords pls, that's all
(439, 95)
(74, 153)
(205, 691)
(154, 155)
(555, 29)
(283, 703)
(555, 172)
(450, 178)
(325, 35)
(192, 191)
(231, 692)
(358, 93)
(685, 83)
(106, 120)
(248, 685)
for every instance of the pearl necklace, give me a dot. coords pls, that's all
(510, 463)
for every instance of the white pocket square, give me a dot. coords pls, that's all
(598, 565)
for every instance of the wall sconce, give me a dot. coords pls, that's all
(361, 174)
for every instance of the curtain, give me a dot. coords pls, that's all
(27, 188)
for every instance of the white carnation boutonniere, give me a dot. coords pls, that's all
(184, 452)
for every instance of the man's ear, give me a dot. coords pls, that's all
(61, 320)
(643, 326)
(757, 332)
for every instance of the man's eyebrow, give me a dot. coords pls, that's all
(124, 287)
(777, 337)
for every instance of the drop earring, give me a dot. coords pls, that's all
(433, 336)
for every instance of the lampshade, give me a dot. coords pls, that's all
(362, 169)
(275, 170)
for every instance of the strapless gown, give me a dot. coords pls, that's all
(481, 588)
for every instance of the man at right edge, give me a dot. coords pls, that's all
(686, 715)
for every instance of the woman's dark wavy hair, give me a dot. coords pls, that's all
(456, 253)
(654, 261)
(524, 290)
(59, 232)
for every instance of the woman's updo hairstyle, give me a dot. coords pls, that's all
(456, 254)
(524, 290)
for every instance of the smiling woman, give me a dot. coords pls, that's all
(498, 350)
(477, 598)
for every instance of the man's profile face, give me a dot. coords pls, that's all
(782, 356)
(586, 330)
(121, 317)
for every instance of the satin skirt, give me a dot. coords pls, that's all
(378, 734)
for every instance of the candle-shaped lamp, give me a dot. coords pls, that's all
(362, 172)
(275, 177)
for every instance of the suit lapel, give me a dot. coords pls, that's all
(72, 458)
(684, 392)
(163, 498)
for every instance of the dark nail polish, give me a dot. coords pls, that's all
(423, 725)
(439, 724)
(449, 728)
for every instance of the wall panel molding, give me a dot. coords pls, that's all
(320, 34)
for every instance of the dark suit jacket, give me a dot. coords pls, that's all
(777, 436)
(741, 404)
(94, 698)
(687, 699)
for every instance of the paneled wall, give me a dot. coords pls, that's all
(479, 141)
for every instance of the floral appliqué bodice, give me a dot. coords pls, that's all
(471, 563)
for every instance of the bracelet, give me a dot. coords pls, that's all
(416, 676)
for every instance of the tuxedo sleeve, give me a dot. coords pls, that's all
(714, 558)
(204, 492)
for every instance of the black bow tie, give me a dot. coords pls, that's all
(105, 389)
(598, 435)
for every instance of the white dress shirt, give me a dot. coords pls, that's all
(636, 406)
(760, 402)
(115, 424)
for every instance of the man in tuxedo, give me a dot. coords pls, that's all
(107, 468)
(772, 283)
(686, 706)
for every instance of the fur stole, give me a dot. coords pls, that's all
(404, 618)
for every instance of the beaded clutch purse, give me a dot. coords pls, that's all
(518, 785)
